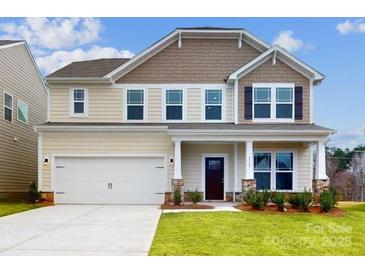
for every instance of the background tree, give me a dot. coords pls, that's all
(358, 171)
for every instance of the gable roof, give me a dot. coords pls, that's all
(91, 68)
(278, 52)
(180, 33)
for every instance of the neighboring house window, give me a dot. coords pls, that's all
(8, 107)
(135, 104)
(22, 112)
(273, 101)
(79, 102)
(213, 104)
(174, 105)
(274, 170)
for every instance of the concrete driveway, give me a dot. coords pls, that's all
(80, 230)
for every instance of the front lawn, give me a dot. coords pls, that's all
(11, 207)
(257, 233)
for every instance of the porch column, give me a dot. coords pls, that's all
(321, 161)
(320, 182)
(249, 161)
(177, 161)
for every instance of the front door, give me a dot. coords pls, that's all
(214, 178)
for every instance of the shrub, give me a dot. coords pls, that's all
(195, 196)
(328, 200)
(266, 196)
(301, 200)
(278, 198)
(33, 194)
(177, 196)
(294, 200)
(255, 199)
(305, 200)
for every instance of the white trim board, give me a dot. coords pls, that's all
(202, 170)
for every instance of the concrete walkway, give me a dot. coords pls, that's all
(80, 230)
(218, 206)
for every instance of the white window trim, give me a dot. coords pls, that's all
(12, 107)
(223, 105)
(273, 87)
(17, 112)
(164, 105)
(125, 105)
(273, 171)
(86, 102)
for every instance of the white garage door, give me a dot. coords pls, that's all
(109, 180)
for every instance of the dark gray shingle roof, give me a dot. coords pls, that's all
(90, 68)
(7, 42)
(206, 126)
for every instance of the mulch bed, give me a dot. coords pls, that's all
(186, 206)
(274, 209)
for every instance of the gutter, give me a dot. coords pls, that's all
(101, 128)
(72, 80)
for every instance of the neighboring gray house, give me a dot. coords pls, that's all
(23, 104)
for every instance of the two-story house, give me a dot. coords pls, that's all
(202, 108)
(23, 104)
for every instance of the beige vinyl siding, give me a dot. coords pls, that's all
(104, 104)
(303, 160)
(18, 146)
(87, 143)
(154, 105)
(194, 107)
(191, 157)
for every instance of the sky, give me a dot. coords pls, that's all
(334, 46)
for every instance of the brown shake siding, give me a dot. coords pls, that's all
(280, 73)
(198, 61)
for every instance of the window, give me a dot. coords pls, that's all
(174, 105)
(79, 98)
(135, 104)
(22, 112)
(8, 107)
(262, 102)
(273, 101)
(262, 170)
(213, 104)
(274, 170)
(284, 170)
(284, 103)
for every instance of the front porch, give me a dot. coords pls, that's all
(221, 168)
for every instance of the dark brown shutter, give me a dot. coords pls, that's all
(298, 103)
(248, 103)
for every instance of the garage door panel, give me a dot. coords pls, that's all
(101, 180)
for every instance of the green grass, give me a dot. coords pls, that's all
(256, 233)
(11, 207)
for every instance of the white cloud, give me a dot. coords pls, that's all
(53, 34)
(61, 58)
(286, 40)
(351, 27)
(349, 138)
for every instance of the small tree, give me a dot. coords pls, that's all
(358, 172)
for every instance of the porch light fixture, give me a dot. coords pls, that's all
(171, 160)
(45, 161)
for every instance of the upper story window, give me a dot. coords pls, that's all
(22, 112)
(174, 104)
(274, 170)
(79, 101)
(213, 104)
(273, 102)
(8, 107)
(135, 104)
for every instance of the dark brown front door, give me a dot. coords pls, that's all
(214, 178)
